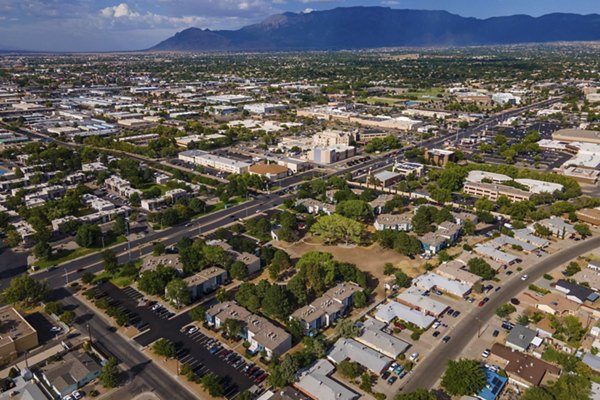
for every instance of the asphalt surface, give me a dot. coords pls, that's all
(431, 368)
(141, 372)
(161, 327)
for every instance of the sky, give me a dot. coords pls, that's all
(118, 25)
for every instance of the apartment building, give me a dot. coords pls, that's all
(16, 334)
(262, 334)
(205, 281)
(330, 138)
(326, 309)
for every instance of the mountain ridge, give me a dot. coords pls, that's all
(372, 27)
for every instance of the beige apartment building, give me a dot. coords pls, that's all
(16, 334)
(493, 191)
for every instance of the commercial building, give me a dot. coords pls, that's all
(413, 298)
(206, 159)
(387, 178)
(577, 135)
(318, 384)
(493, 191)
(504, 98)
(264, 108)
(228, 99)
(293, 164)
(258, 331)
(439, 157)
(269, 171)
(327, 309)
(537, 186)
(409, 168)
(330, 155)
(73, 371)
(329, 138)
(16, 335)
(589, 215)
(205, 281)
(477, 176)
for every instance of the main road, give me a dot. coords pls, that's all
(428, 371)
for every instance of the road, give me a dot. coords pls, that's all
(142, 374)
(428, 371)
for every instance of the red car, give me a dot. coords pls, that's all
(482, 302)
(399, 326)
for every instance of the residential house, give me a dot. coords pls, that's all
(369, 358)
(589, 277)
(523, 369)
(556, 304)
(432, 242)
(402, 222)
(413, 298)
(379, 203)
(499, 256)
(75, 370)
(520, 338)
(431, 280)
(318, 384)
(387, 312)
(575, 292)
(457, 271)
(450, 231)
(556, 225)
(494, 385)
(386, 344)
(525, 235)
(315, 207)
(327, 309)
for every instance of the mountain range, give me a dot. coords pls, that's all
(373, 27)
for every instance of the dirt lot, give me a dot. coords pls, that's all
(369, 259)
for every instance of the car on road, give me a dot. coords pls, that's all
(482, 302)
(486, 353)
(446, 339)
(524, 277)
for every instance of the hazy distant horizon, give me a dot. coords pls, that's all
(100, 25)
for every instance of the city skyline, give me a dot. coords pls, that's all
(93, 25)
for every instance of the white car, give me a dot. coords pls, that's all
(414, 357)
(485, 354)
(436, 325)
(78, 394)
(67, 397)
(192, 330)
(524, 277)
(55, 329)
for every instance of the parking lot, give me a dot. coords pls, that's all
(202, 353)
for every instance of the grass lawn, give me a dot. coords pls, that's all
(64, 255)
(390, 101)
(425, 93)
(122, 281)
(163, 189)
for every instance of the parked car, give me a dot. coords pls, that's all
(446, 339)
(486, 353)
(436, 333)
(456, 313)
(515, 301)
(495, 333)
(414, 357)
(385, 375)
(392, 380)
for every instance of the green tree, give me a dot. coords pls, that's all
(212, 385)
(232, 327)
(119, 225)
(347, 328)
(537, 393)
(25, 290)
(238, 270)
(355, 209)
(463, 377)
(53, 307)
(68, 317)
(403, 280)
(88, 235)
(42, 250)
(281, 261)
(572, 268)
(87, 277)
(366, 382)
(110, 376)
(336, 228)
(583, 230)
(158, 248)
(178, 292)
(164, 348)
(360, 299)
(277, 302)
(283, 373)
(480, 267)
(110, 261)
(349, 369)
(505, 310)
(154, 282)
(197, 313)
